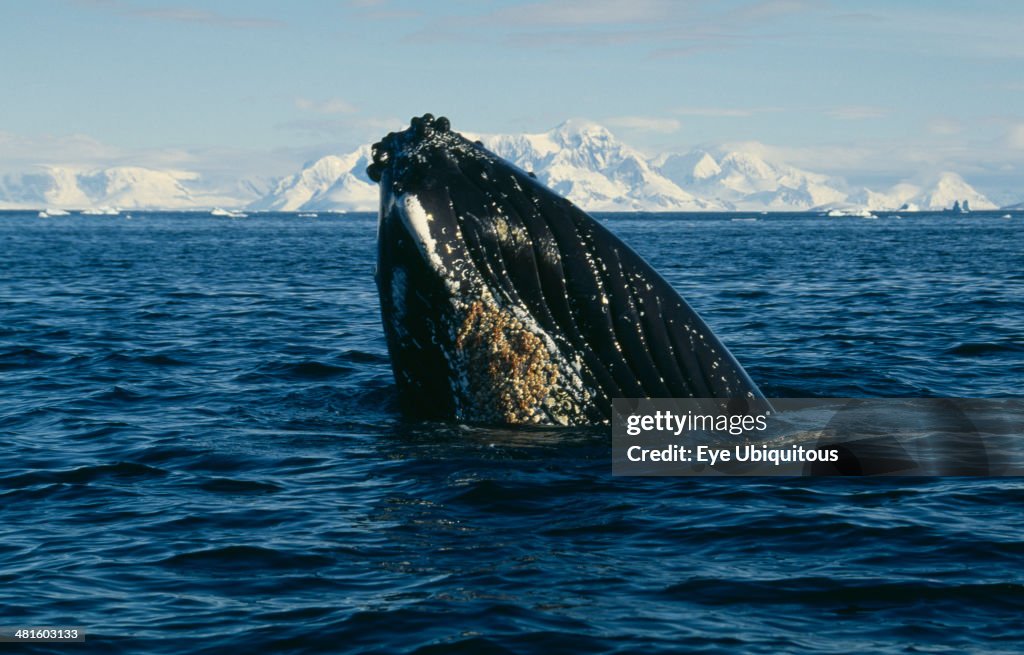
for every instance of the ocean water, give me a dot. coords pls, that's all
(200, 452)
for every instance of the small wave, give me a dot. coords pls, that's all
(147, 315)
(362, 357)
(152, 360)
(24, 358)
(57, 334)
(255, 558)
(85, 474)
(233, 486)
(513, 499)
(750, 294)
(101, 432)
(119, 394)
(306, 370)
(977, 348)
(824, 592)
(187, 294)
(162, 360)
(298, 614)
(313, 369)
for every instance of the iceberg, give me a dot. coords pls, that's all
(101, 211)
(857, 213)
(50, 213)
(227, 213)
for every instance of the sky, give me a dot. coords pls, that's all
(871, 91)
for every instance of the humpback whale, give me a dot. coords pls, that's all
(503, 303)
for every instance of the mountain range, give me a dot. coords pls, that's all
(580, 160)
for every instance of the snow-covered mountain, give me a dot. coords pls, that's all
(743, 180)
(578, 159)
(942, 192)
(949, 189)
(330, 182)
(584, 162)
(125, 187)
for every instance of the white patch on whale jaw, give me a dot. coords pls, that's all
(417, 223)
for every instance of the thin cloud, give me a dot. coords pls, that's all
(768, 9)
(1015, 136)
(330, 106)
(860, 18)
(21, 151)
(868, 161)
(857, 112)
(586, 13)
(381, 10)
(21, 154)
(215, 167)
(317, 127)
(698, 45)
(724, 112)
(204, 17)
(944, 126)
(183, 14)
(991, 34)
(351, 129)
(665, 28)
(568, 38)
(645, 124)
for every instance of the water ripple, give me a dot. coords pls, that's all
(202, 453)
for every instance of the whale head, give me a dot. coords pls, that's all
(503, 303)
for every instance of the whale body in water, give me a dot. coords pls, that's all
(503, 303)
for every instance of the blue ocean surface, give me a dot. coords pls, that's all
(200, 452)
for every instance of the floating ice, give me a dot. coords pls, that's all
(227, 213)
(858, 213)
(101, 211)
